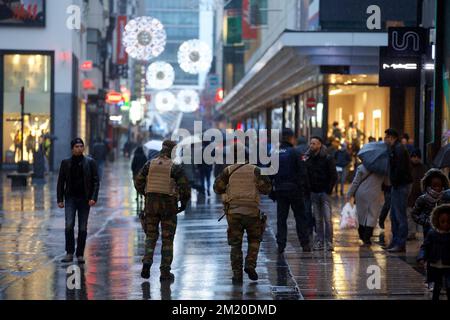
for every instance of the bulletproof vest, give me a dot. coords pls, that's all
(241, 188)
(158, 178)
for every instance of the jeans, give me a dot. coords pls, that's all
(72, 207)
(301, 215)
(399, 218)
(342, 177)
(321, 205)
(101, 167)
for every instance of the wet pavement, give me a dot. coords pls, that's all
(32, 244)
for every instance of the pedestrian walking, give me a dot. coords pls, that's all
(138, 162)
(401, 179)
(435, 251)
(343, 158)
(290, 185)
(164, 184)
(366, 189)
(100, 153)
(77, 192)
(418, 172)
(322, 177)
(240, 184)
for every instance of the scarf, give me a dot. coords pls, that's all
(432, 196)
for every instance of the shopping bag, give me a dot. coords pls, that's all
(349, 220)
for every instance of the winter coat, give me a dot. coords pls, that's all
(139, 161)
(369, 197)
(400, 166)
(418, 172)
(322, 172)
(343, 158)
(436, 246)
(423, 207)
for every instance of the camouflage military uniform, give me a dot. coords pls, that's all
(242, 219)
(161, 209)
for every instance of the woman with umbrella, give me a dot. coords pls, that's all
(366, 187)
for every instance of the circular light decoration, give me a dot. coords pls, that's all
(144, 38)
(194, 56)
(165, 101)
(188, 100)
(160, 75)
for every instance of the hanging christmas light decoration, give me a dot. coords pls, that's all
(160, 75)
(165, 101)
(194, 56)
(144, 38)
(188, 100)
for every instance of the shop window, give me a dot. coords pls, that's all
(33, 72)
(277, 118)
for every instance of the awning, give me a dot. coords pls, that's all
(292, 64)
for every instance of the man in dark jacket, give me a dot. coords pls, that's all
(77, 191)
(99, 153)
(290, 186)
(322, 179)
(401, 179)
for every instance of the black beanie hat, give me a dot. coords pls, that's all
(76, 141)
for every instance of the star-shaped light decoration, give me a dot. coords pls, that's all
(160, 75)
(165, 101)
(194, 56)
(144, 38)
(188, 100)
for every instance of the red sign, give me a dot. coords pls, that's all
(113, 97)
(248, 32)
(87, 65)
(88, 84)
(122, 56)
(311, 103)
(219, 95)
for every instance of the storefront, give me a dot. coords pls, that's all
(446, 76)
(34, 72)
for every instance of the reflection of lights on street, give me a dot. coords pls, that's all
(188, 101)
(144, 38)
(194, 56)
(165, 101)
(160, 75)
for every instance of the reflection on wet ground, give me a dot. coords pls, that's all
(32, 243)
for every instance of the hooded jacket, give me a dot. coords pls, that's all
(436, 246)
(423, 207)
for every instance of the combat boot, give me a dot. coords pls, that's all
(237, 278)
(167, 276)
(251, 272)
(145, 273)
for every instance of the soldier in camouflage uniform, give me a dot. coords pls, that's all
(164, 184)
(240, 185)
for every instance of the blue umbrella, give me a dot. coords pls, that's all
(375, 157)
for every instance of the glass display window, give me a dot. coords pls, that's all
(33, 72)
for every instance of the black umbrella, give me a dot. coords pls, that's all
(442, 159)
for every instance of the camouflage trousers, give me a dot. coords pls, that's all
(159, 211)
(237, 225)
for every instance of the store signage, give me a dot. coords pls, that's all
(87, 65)
(29, 13)
(398, 71)
(248, 31)
(233, 30)
(113, 97)
(219, 95)
(122, 56)
(311, 103)
(407, 41)
(88, 84)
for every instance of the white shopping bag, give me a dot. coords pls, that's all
(349, 220)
